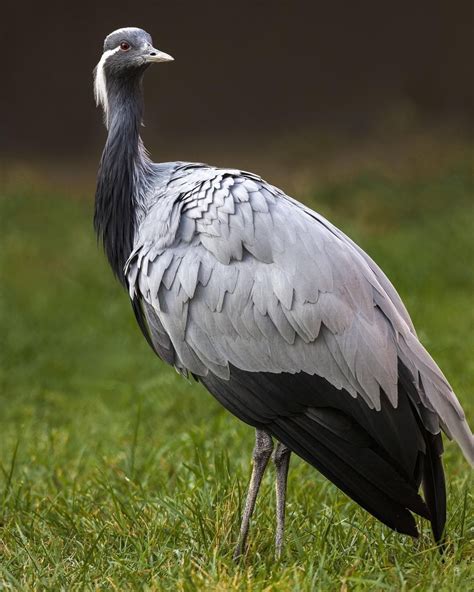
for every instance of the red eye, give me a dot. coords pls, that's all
(124, 46)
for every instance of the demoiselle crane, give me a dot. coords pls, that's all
(285, 320)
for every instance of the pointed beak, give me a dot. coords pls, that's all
(155, 55)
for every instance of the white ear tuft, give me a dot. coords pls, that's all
(100, 83)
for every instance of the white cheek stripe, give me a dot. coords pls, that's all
(100, 85)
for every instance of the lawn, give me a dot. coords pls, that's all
(116, 473)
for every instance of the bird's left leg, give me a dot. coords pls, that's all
(281, 459)
(261, 455)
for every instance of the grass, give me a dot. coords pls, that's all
(117, 474)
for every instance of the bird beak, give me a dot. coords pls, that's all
(155, 55)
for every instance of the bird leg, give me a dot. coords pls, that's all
(281, 460)
(261, 455)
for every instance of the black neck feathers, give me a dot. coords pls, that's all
(121, 171)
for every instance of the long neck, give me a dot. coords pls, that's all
(122, 172)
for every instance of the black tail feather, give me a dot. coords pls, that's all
(378, 458)
(344, 475)
(434, 486)
(348, 445)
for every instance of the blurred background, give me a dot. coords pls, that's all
(245, 72)
(364, 110)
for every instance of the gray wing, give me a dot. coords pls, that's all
(232, 272)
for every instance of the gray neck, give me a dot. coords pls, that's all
(123, 173)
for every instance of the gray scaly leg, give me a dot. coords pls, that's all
(261, 455)
(281, 459)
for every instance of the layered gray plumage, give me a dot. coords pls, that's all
(231, 271)
(278, 313)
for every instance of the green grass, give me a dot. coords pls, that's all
(117, 474)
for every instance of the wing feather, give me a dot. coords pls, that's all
(241, 275)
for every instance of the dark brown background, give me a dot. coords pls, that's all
(242, 67)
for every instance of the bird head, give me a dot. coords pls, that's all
(127, 54)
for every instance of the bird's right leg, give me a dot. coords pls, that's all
(281, 459)
(261, 455)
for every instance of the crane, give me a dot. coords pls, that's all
(288, 323)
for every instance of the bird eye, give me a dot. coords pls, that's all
(124, 46)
